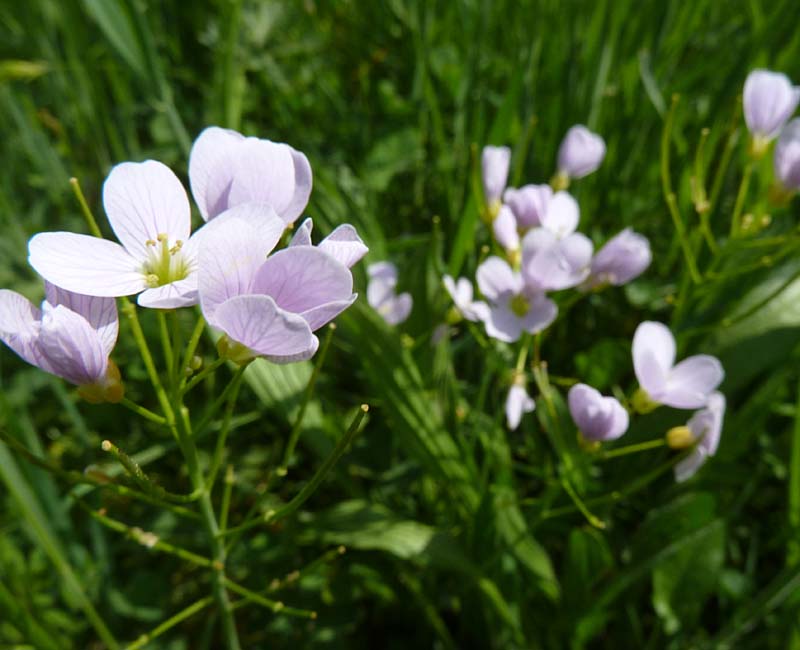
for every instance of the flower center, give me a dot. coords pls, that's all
(519, 305)
(165, 263)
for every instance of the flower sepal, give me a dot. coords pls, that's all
(642, 402)
(109, 390)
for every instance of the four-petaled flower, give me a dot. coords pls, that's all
(149, 212)
(393, 308)
(227, 169)
(597, 417)
(71, 336)
(462, 294)
(686, 385)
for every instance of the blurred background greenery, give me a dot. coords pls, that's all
(457, 534)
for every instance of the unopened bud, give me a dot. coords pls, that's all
(680, 437)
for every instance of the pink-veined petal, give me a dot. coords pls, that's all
(20, 321)
(211, 169)
(264, 172)
(305, 355)
(562, 215)
(101, 313)
(496, 279)
(302, 278)
(302, 187)
(690, 383)
(181, 293)
(261, 326)
(84, 264)
(303, 235)
(321, 315)
(72, 347)
(144, 200)
(653, 355)
(344, 245)
(231, 248)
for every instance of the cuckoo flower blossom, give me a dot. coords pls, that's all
(554, 256)
(597, 417)
(769, 101)
(71, 337)
(461, 293)
(705, 426)
(686, 385)
(267, 305)
(494, 168)
(227, 169)
(528, 203)
(580, 153)
(624, 257)
(393, 308)
(787, 156)
(518, 403)
(514, 306)
(149, 212)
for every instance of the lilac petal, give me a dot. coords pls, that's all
(265, 173)
(303, 235)
(707, 423)
(528, 203)
(321, 315)
(787, 156)
(182, 293)
(302, 187)
(20, 321)
(144, 200)
(624, 257)
(552, 264)
(101, 313)
(562, 216)
(382, 282)
(581, 152)
(303, 278)
(396, 309)
(496, 279)
(73, 349)
(477, 311)
(597, 417)
(517, 403)
(505, 229)
(494, 167)
(692, 381)
(769, 100)
(305, 355)
(541, 314)
(232, 248)
(653, 355)
(84, 264)
(688, 467)
(503, 324)
(211, 169)
(460, 291)
(261, 326)
(344, 245)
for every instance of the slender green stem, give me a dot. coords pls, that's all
(272, 605)
(171, 622)
(74, 477)
(725, 158)
(205, 372)
(294, 435)
(669, 195)
(229, 482)
(522, 357)
(793, 551)
(219, 449)
(581, 506)
(87, 213)
(702, 206)
(741, 195)
(166, 340)
(292, 577)
(194, 340)
(633, 449)
(141, 410)
(310, 487)
(147, 539)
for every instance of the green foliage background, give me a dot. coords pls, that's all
(457, 533)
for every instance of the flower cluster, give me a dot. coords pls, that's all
(539, 250)
(769, 101)
(267, 303)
